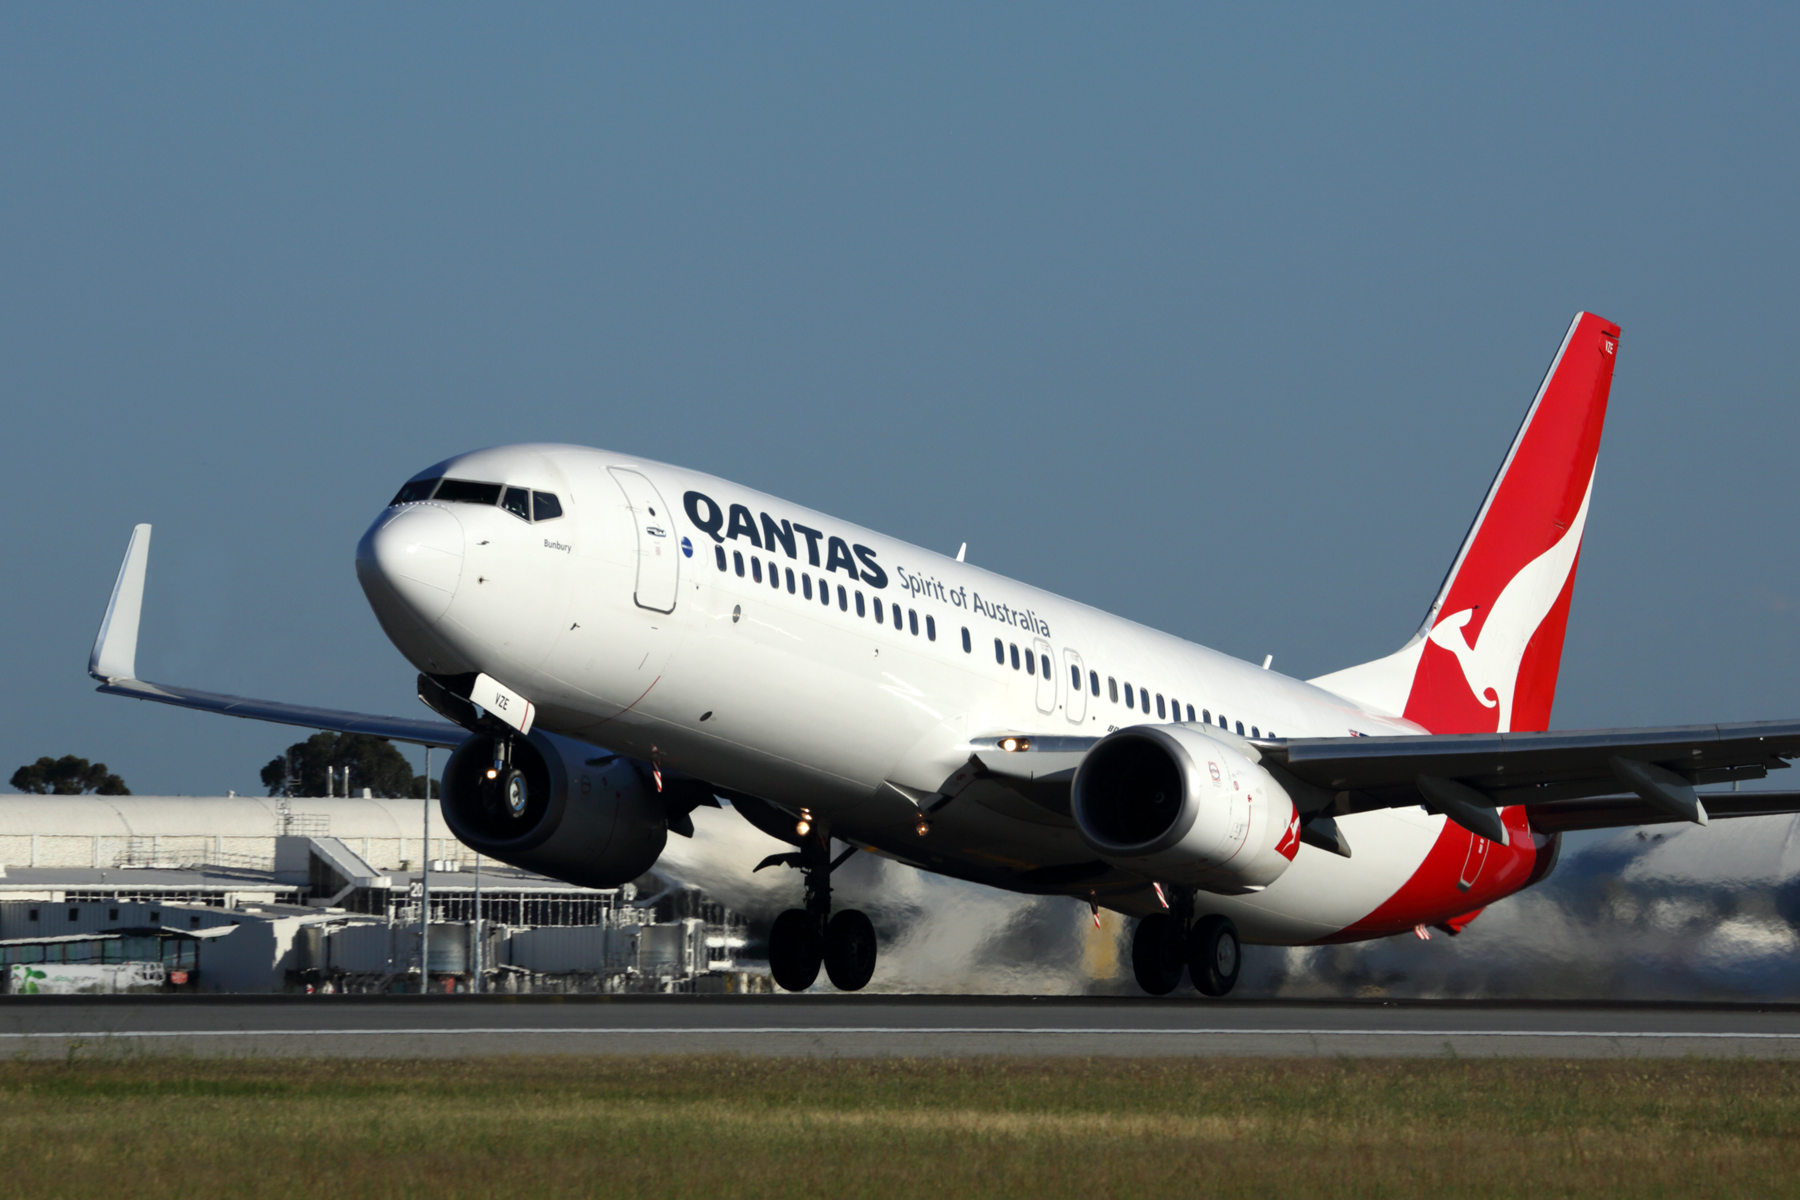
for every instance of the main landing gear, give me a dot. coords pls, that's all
(1165, 942)
(803, 939)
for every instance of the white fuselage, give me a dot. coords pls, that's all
(823, 704)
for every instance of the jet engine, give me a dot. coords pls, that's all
(555, 806)
(1183, 806)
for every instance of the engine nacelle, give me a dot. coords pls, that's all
(597, 825)
(1182, 806)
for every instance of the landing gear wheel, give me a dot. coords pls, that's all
(794, 950)
(1214, 956)
(1156, 954)
(849, 950)
(515, 792)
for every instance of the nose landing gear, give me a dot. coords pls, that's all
(1165, 942)
(505, 791)
(804, 939)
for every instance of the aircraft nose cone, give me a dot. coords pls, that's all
(415, 553)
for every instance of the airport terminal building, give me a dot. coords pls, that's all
(254, 894)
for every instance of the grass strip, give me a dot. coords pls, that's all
(529, 1127)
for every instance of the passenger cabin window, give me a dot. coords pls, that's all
(859, 605)
(930, 628)
(1030, 664)
(843, 599)
(719, 556)
(1015, 655)
(1130, 696)
(1094, 682)
(879, 618)
(912, 620)
(825, 593)
(899, 620)
(1000, 652)
(737, 563)
(806, 585)
(1112, 688)
(415, 491)
(1205, 716)
(968, 646)
(1190, 714)
(517, 501)
(1255, 732)
(1240, 729)
(1075, 677)
(545, 507)
(1044, 667)
(756, 568)
(461, 491)
(790, 579)
(1160, 714)
(775, 577)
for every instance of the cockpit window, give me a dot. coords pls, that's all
(469, 493)
(517, 501)
(410, 493)
(548, 506)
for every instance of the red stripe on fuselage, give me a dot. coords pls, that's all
(1434, 893)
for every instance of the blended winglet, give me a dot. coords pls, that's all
(115, 646)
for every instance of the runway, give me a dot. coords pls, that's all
(888, 1026)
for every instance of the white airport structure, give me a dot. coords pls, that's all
(254, 894)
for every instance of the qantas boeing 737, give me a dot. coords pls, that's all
(615, 641)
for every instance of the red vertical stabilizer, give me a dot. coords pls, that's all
(1486, 658)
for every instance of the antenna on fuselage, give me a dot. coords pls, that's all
(964, 549)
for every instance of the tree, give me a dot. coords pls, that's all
(373, 763)
(68, 776)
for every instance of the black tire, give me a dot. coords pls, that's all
(794, 950)
(1214, 955)
(849, 950)
(1156, 954)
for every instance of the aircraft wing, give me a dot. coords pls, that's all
(114, 663)
(1580, 779)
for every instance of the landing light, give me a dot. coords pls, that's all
(922, 825)
(1013, 744)
(804, 825)
(493, 774)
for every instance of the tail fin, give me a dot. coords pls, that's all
(1486, 658)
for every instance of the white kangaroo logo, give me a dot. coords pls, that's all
(1492, 668)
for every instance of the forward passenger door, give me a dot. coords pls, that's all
(658, 560)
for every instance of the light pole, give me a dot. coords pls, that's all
(425, 887)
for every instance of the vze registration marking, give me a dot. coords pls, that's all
(495, 697)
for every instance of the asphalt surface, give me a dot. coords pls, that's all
(849, 1026)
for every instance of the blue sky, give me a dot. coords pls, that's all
(1220, 320)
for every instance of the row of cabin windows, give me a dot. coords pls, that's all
(1031, 662)
(1135, 697)
(522, 503)
(802, 585)
(1034, 663)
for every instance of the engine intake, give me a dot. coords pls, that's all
(1183, 806)
(552, 811)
